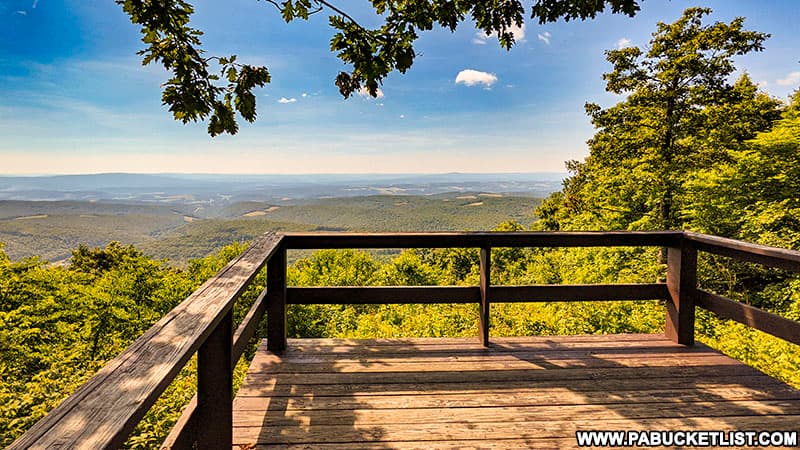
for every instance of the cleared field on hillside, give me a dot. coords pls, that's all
(52, 229)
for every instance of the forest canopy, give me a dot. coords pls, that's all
(687, 147)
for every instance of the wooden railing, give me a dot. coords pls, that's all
(105, 410)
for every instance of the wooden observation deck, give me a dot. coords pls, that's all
(524, 392)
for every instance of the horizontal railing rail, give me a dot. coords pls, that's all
(102, 412)
(382, 295)
(745, 251)
(316, 240)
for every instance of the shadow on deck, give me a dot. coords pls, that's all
(522, 392)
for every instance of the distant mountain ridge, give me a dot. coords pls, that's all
(211, 188)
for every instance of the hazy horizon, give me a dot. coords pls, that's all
(83, 103)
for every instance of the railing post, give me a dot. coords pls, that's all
(486, 265)
(276, 300)
(215, 388)
(682, 285)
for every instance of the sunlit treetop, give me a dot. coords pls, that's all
(216, 87)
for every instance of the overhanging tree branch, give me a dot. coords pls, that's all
(193, 93)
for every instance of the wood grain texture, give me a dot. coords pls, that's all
(767, 322)
(485, 286)
(381, 295)
(682, 288)
(103, 411)
(745, 251)
(276, 300)
(182, 434)
(517, 393)
(320, 240)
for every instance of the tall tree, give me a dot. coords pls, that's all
(680, 114)
(194, 93)
(754, 196)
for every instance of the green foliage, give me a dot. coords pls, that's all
(680, 116)
(60, 324)
(193, 93)
(687, 149)
(53, 229)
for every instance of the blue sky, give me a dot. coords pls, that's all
(74, 97)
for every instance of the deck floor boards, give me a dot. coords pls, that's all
(526, 392)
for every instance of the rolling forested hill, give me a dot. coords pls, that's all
(173, 231)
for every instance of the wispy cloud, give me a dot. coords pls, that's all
(285, 100)
(364, 92)
(35, 3)
(470, 77)
(791, 79)
(622, 43)
(518, 32)
(544, 37)
(22, 13)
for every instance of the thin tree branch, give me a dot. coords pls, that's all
(341, 13)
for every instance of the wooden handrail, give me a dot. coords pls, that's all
(786, 329)
(103, 411)
(746, 251)
(183, 433)
(481, 239)
(383, 295)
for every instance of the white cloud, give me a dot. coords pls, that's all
(480, 38)
(22, 13)
(622, 43)
(285, 100)
(365, 93)
(762, 84)
(790, 80)
(303, 95)
(518, 33)
(402, 116)
(472, 77)
(544, 37)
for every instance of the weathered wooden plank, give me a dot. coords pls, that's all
(475, 356)
(302, 344)
(682, 290)
(723, 380)
(382, 366)
(476, 347)
(103, 411)
(757, 318)
(485, 295)
(529, 396)
(381, 295)
(536, 375)
(247, 329)
(364, 415)
(477, 444)
(180, 437)
(745, 251)
(390, 395)
(214, 419)
(319, 240)
(543, 428)
(276, 300)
